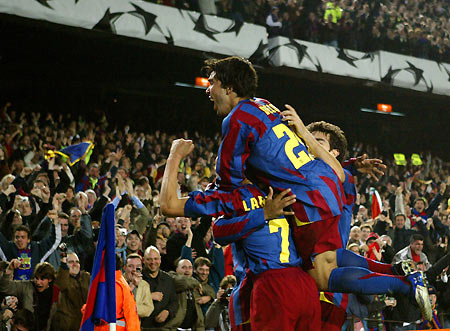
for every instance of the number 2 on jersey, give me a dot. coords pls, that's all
(281, 223)
(297, 160)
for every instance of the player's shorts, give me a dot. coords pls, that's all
(285, 299)
(333, 317)
(315, 238)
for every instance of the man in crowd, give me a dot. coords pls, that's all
(399, 234)
(22, 321)
(189, 315)
(126, 312)
(29, 253)
(413, 251)
(134, 242)
(163, 291)
(176, 241)
(74, 286)
(139, 287)
(39, 295)
(202, 266)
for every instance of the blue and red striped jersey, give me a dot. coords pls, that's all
(257, 245)
(257, 145)
(345, 219)
(268, 244)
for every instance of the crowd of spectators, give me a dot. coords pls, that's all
(410, 27)
(50, 214)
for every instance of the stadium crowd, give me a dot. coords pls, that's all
(417, 28)
(50, 214)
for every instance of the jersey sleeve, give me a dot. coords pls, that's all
(209, 203)
(228, 230)
(349, 189)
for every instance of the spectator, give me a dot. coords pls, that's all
(28, 252)
(413, 251)
(139, 287)
(74, 286)
(202, 266)
(78, 238)
(22, 320)
(355, 236)
(134, 242)
(274, 22)
(163, 291)
(207, 7)
(121, 247)
(126, 311)
(217, 315)
(400, 236)
(39, 295)
(189, 314)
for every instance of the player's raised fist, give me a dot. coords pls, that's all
(181, 147)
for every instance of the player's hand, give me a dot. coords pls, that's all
(373, 167)
(290, 116)
(273, 207)
(181, 148)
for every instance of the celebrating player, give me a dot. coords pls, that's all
(257, 145)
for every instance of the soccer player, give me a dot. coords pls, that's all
(257, 145)
(266, 263)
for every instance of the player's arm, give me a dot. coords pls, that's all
(291, 116)
(171, 205)
(228, 230)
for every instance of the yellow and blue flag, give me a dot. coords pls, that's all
(73, 153)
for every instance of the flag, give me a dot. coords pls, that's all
(73, 153)
(416, 160)
(400, 159)
(101, 301)
(376, 202)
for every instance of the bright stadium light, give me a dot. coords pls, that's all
(393, 113)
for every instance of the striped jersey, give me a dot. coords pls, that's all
(267, 244)
(257, 245)
(257, 145)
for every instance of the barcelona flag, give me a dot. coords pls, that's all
(73, 153)
(101, 301)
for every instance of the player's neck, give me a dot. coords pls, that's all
(237, 99)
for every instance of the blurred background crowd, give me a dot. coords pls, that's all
(410, 27)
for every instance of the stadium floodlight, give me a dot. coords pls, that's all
(189, 85)
(393, 113)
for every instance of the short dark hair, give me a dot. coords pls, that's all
(23, 228)
(414, 237)
(25, 318)
(119, 262)
(200, 261)
(337, 137)
(234, 72)
(63, 215)
(366, 226)
(44, 270)
(134, 256)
